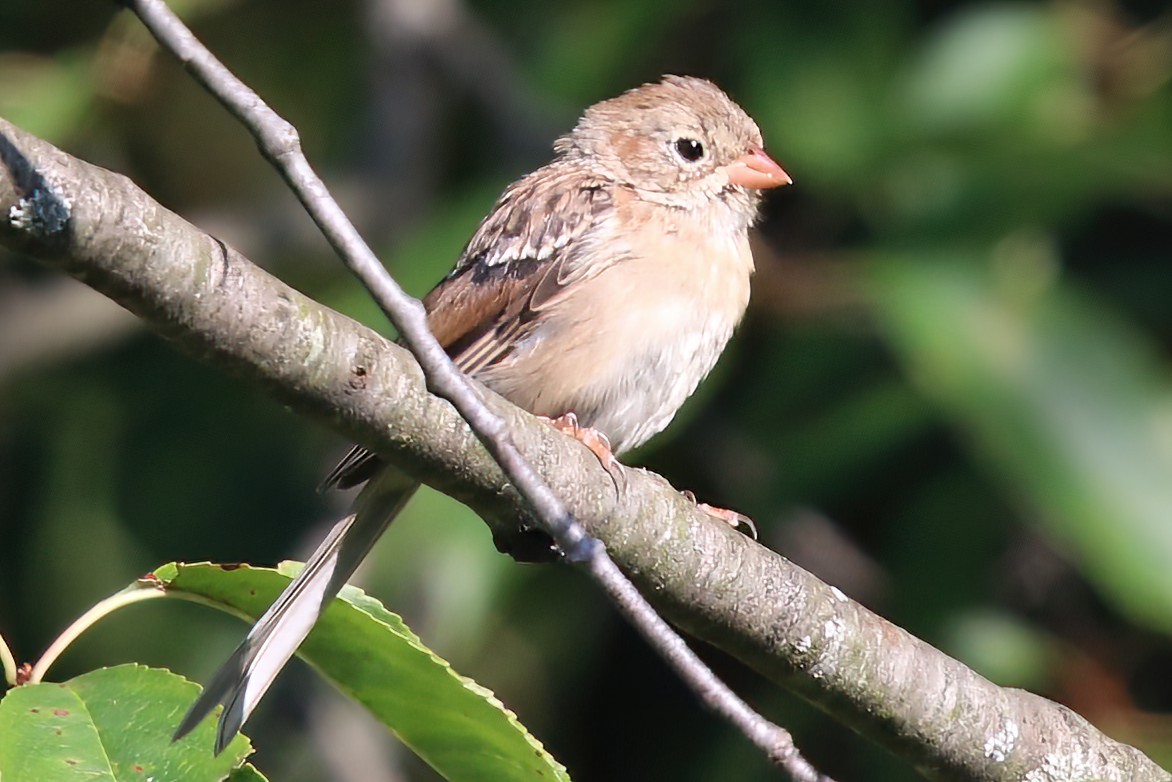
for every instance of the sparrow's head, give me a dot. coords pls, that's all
(680, 140)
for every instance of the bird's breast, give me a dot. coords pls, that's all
(626, 347)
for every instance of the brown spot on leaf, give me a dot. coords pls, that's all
(150, 579)
(60, 713)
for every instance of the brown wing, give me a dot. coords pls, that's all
(521, 258)
(518, 259)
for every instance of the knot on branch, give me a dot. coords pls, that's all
(41, 213)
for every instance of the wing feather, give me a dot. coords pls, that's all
(515, 263)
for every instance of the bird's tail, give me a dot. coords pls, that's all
(242, 681)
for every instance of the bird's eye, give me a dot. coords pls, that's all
(689, 149)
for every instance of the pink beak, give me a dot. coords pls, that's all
(757, 171)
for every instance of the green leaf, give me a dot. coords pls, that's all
(1067, 404)
(111, 724)
(454, 724)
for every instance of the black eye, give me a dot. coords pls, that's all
(689, 149)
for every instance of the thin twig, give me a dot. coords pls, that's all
(279, 142)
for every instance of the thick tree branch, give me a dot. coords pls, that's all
(717, 584)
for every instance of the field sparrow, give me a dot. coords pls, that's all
(605, 284)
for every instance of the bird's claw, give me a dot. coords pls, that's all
(596, 441)
(729, 517)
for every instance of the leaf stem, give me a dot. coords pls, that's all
(143, 589)
(8, 662)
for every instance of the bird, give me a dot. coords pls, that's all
(597, 293)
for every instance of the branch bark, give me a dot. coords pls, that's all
(715, 583)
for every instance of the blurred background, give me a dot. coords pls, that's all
(951, 396)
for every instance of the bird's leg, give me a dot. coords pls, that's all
(729, 517)
(596, 441)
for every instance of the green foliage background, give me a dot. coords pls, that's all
(951, 396)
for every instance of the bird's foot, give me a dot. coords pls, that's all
(596, 441)
(729, 517)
